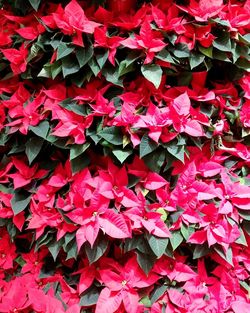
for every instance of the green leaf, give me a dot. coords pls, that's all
(90, 297)
(55, 247)
(145, 261)
(101, 59)
(152, 73)
(196, 59)
(41, 130)
(228, 256)
(112, 135)
(176, 239)
(77, 150)
(44, 239)
(206, 51)
(245, 214)
(220, 55)
(112, 75)
(177, 151)
(35, 4)
(242, 239)
(63, 50)
(94, 66)
(146, 146)
(72, 252)
(245, 38)
(186, 231)
(200, 251)
(181, 51)
(79, 163)
(125, 68)
(19, 202)
(98, 249)
(32, 148)
(246, 227)
(146, 302)
(83, 55)
(69, 65)
(155, 160)
(121, 155)
(223, 42)
(72, 106)
(164, 55)
(158, 245)
(158, 292)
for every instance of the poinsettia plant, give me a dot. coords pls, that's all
(124, 156)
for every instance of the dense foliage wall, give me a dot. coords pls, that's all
(124, 156)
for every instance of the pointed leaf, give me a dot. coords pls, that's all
(41, 130)
(32, 148)
(158, 245)
(152, 73)
(35, 4)
(146, 146)
(19, 202)
(112, 135)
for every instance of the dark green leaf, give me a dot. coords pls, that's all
(206, 51)
(55, 247)
(145, 261)
(121, 155)
(245, 214)
(176, 239)
(137, 242)
(63, 50)
(158, 245)
(195, 60)
(223, 42)
(72, 106)
(19, 202)
(45, 239)
(220, 55)
(200, 251)
(77, 150)
(83, 55)
(158, 292)
(98, 249)
(125, 68)
(146, 146)
(242, 239)
(33, 147)
(72, 252)
(246, 227)
(112, 135)
(152, 73)
(245, 38)
(41, 130)
(69, 65)
(181, 51)
(79, 163)
(164, 55)
(228, 256)
(55, 69)
(112, 75)
(35, 4)
(94, 66)
(90, 297)
(101, 59)
(186, 231)
(177, 151)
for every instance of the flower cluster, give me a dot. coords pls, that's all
(124, 156)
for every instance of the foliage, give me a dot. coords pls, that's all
(124, 170)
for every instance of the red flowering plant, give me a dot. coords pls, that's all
(124, 156)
